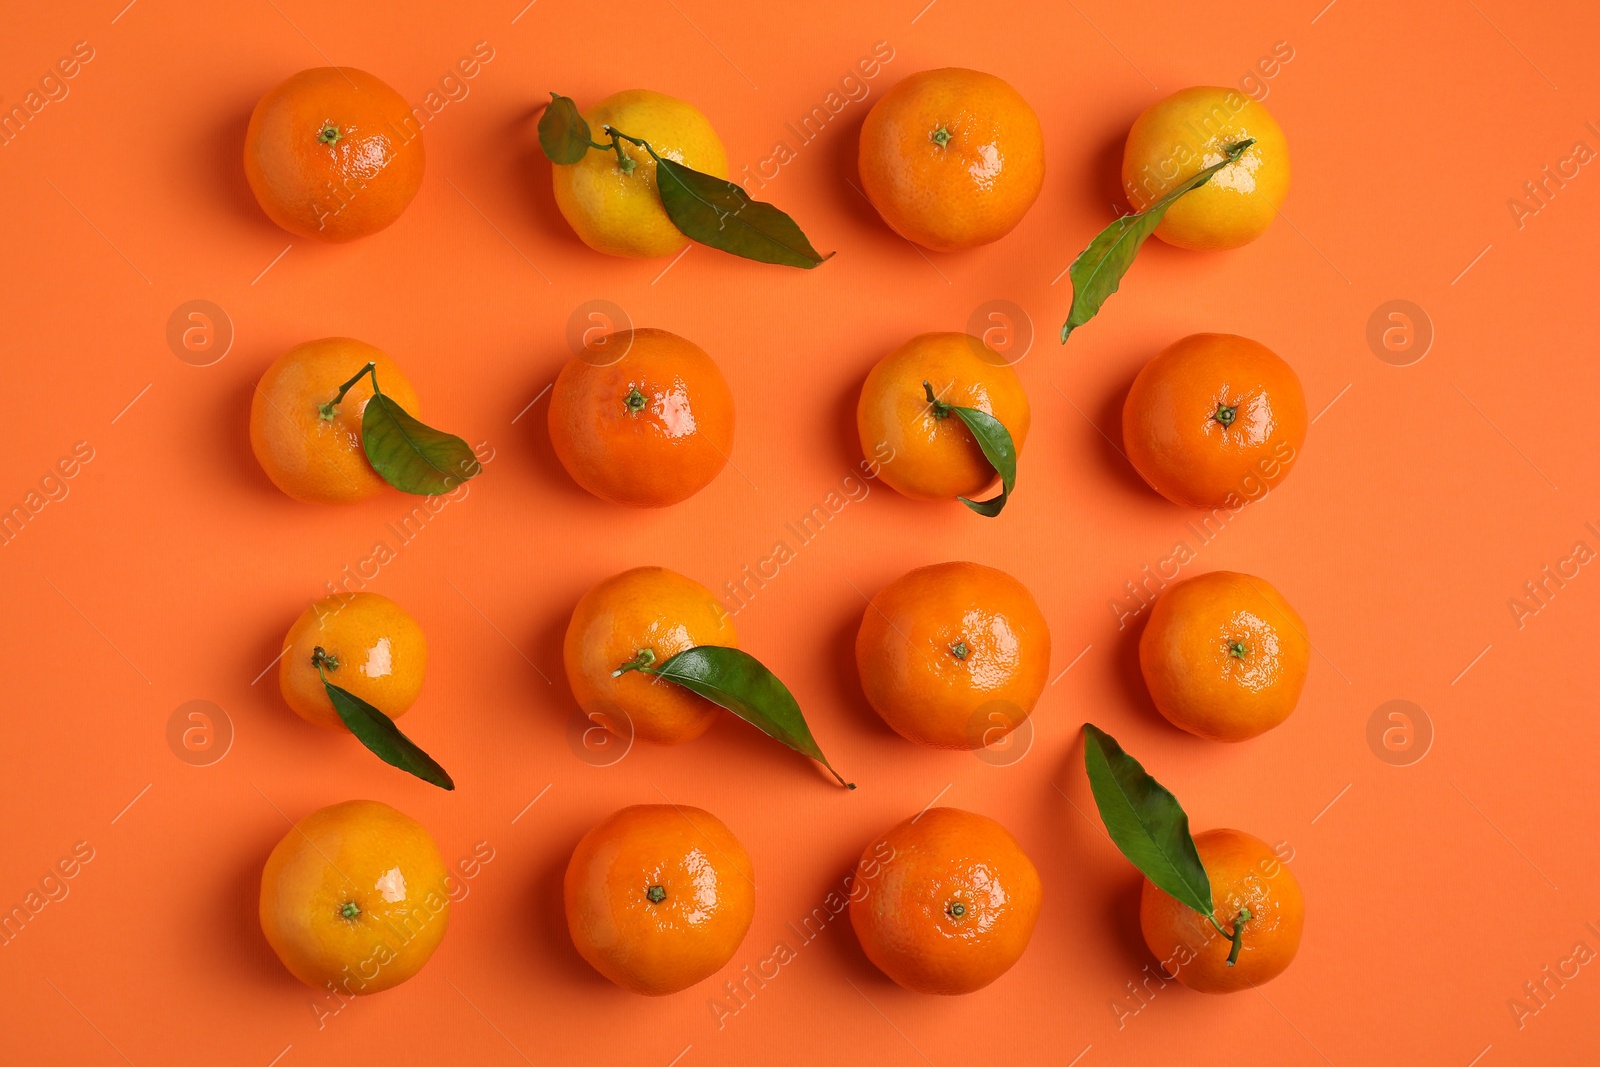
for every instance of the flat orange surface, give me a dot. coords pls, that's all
(168, 568)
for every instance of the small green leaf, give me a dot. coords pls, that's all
(411, 456)
(1098, 270)
(736, 680)
(998, 448)
(1145, 821)
(716, 212)
(563, 133)
(993, 439)
(379, 733)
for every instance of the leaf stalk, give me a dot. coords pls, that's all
(328, 410)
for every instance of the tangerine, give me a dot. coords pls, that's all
(1190, 130)
(1224, 656)
(953, 655)
(952, 158)
(1214, 420)
(1245, 873)
(611, 200)
(366, 645)
(646, 616)
(310, 451)
(934, 456)
(333, 153)
(642, 417)
(659, 897)
(354, 899)
(950, 904)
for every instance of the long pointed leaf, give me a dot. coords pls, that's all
(410, 455)
(1145, 821)
(1098, 270)
(736, 680)
(379, 733)
(717, 212)
(998, 448)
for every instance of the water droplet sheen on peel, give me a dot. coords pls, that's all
(1240, 177)
(675, 413)
(988, 166)
(392, 884)
(380, 660)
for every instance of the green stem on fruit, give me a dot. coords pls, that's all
(350, 910)
(321, 659)
(640, 662)
(656, 894)
(1238, 650)
(956, 910)
(331, 408)
(940, 137)
(635, 401)
(960, 650)
(1225, 414)
(941, 410)
(1237, 937)
(329, 134)
(623, 160)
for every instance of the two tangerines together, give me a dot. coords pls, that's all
(356, 897)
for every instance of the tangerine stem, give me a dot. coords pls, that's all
(624, 161)
(641, 142)
(640, 662)
(941, 410)
(320, 659)
(327, 410)
(1239, 935)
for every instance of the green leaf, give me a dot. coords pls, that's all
(411, 456)
(736, 680)
(379, 733)
(716, 212)
(563, 133)
(998, 448)
(1099, 268)
(1145, 821)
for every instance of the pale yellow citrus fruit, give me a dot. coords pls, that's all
(618, 210)
(1188, 131)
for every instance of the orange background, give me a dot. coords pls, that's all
(1425, 497)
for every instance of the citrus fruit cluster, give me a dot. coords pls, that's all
(954, 655)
